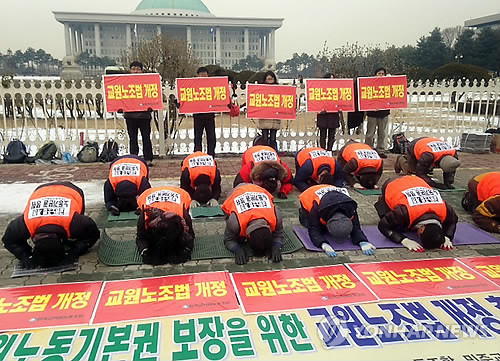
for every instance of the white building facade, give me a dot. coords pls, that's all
(214, 40)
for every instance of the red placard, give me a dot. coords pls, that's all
(132, 92)
(488, 267)
(203, 95)
(422, 278)
(165, 296)
(382, 92)
(271, 101)
(47, 305)
(330, 95)
(299, 288)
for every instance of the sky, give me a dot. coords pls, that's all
(307, 24)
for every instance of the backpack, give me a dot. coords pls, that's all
(109, 151)
(88, 153)
(16, 152)
(400, 143)
(47, 151)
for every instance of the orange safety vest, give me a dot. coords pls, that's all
(418, 197)
(319, 157)
(365, 155)
(54, 204)
(315, 193)
(435, 146)
(127, 169)
(200, 163)
(259, 153)
(168, 199)
(488, 185)
(250, 202)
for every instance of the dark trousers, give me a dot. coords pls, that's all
(133, 126)
(269, 138)
(325, 133)
(209, 126)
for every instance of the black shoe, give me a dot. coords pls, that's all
(382, 154)
(449, 186)
(114, 210)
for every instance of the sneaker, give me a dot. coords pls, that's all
(114, 210)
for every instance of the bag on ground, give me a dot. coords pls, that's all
(88, 153)
(109, 151)
(16, 152)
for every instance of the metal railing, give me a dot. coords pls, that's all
(68, 113)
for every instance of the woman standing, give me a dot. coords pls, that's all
(327, 122)
(269, 127)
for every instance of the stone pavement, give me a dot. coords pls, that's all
(91, 269)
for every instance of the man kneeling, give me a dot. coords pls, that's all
(164, 229)
(252, 218)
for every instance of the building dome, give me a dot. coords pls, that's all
(173, 8)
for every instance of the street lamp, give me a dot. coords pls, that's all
(213, 44)
(458, 57)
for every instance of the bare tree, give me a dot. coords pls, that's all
(451, 35)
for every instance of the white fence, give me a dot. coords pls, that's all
(69, 113)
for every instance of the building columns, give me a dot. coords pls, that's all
(158, 30)
(246, 43)
(67, 39)
(97, 32)
(218, 46)
(272, 54)
(188, 36)
(76, 42)
(128, 36)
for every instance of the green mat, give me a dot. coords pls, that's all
(124, 216)
(289, 199)
(457, 190)
(369, 192)
(121, 253)
(206, 212)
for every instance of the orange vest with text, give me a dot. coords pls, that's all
(366, 156)
(425, 145)
(259, 153)
(115, 173)
(250, 202)
(60, 200)
(318, 157)
(315, 193)
(197, 168)
(420, 198)
(168, 199)
(488, 186)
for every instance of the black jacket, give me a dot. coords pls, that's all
(145, 115)
(304, 173)
(186, 184)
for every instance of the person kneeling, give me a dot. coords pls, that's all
(164, 229)
(201, 179)
(55, 222)
(252, 218)
(326, 208)
(361, 164)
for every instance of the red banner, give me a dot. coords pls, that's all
(47, 305)
(330, 95)
(489, 267)
(382, 92)
(422, 278)
(299, 288)
(203, 95)
(271, 101)
(132, 92)
(165, 296)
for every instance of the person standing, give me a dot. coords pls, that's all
(269, 127)
(139, 121)
(327, 122)
(378, 121)
(204, 122)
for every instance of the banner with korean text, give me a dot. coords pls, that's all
(47, 305)
(384, 92)
(489, 267)
(203, 95)
(330, 95)
(422, 278)
(299, 288)
(165, 296)
(271, 101)
(132, 92)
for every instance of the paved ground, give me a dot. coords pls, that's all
(91, 269)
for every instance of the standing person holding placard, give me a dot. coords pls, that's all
(327, 122)
(139, 121)
(204, 122)
(269, 127)
(378, 121)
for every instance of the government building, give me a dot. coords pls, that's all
(214, 40)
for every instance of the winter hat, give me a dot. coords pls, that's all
(339, 225)
(449, 164)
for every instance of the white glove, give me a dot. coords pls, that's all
(212, 203)
(412, 245)
(447, 245)
(194, 204)
(357, 186)
(367, 248)
(328, 250)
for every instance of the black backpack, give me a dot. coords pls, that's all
(400, 143)
(47, 151)
(16, 152)
(109, 151)
(89, 153)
